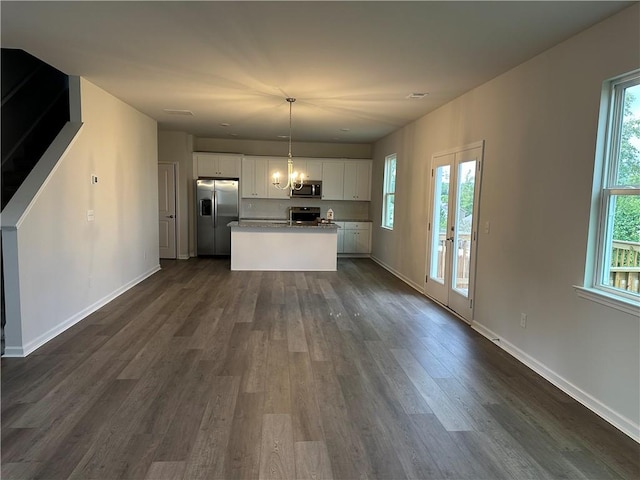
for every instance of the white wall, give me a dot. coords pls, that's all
(68, 266)
(539, 122)
(177, 148)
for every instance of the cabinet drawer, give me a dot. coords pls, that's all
(357, 225)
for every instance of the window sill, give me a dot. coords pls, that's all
(616, 302)
(384, 227)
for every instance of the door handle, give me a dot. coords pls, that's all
(214, 198)
(169, 216)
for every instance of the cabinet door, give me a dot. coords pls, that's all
(362, 241)
(332, 180)
(363, 181)
(261, 180)
(340, 237)
(314, 170)
(277, 165)
(248, 178)
(206, 166)
(357, 180)
(350, 181)
(349, 241)
(228, 166)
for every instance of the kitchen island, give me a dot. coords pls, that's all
(283, 246)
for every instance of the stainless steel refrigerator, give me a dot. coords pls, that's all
(217, 205)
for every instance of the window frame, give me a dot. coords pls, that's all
(386, 190)
(606, 187)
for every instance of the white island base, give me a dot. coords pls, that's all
(283, 247)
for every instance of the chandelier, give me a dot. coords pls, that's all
(294, 180)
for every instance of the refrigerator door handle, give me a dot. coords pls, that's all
(214, 199)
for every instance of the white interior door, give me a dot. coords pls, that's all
(452, 228)
(167, 209)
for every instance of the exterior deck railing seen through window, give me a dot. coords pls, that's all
(625, 265)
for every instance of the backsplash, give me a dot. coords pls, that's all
(279, 208)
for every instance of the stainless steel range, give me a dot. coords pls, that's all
(304, 215)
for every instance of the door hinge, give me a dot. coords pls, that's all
(471, 303)
(432, 172)
(426, 279)
(429, 227)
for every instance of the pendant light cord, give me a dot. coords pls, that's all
(290, 100)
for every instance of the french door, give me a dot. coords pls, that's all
(452, 228)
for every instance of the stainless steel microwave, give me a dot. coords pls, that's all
(310, 189)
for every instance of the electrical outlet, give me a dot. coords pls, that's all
(523, 320)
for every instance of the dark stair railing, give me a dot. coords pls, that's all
(34, 108)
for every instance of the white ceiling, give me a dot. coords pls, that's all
(350, 65)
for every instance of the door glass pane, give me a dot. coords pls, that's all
(463, 226)
(439, 222)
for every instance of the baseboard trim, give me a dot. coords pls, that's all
(621, 422)
(406, 280)
(23, 351)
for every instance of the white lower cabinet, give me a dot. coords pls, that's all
(356, 237)
(340, 237)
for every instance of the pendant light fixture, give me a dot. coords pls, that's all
(294, 180)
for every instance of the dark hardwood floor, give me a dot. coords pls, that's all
(203, 373)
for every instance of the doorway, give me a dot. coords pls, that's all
(167, 209)
(453, 227)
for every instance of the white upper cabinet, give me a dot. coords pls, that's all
(346, 180)
(311, 168)
(217, 165)
(277, 164)
(254, 180)
(333, 180)
(357, 180)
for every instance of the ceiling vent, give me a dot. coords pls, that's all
(417, 95)
(173, 111)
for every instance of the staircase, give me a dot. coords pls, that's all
(35, 107)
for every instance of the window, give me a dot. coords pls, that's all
(389, 191)
(615, 268)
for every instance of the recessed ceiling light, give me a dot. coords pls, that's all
(417, 95)
(225, 124)
(174, 111)
(345, 129)
(283, 136)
